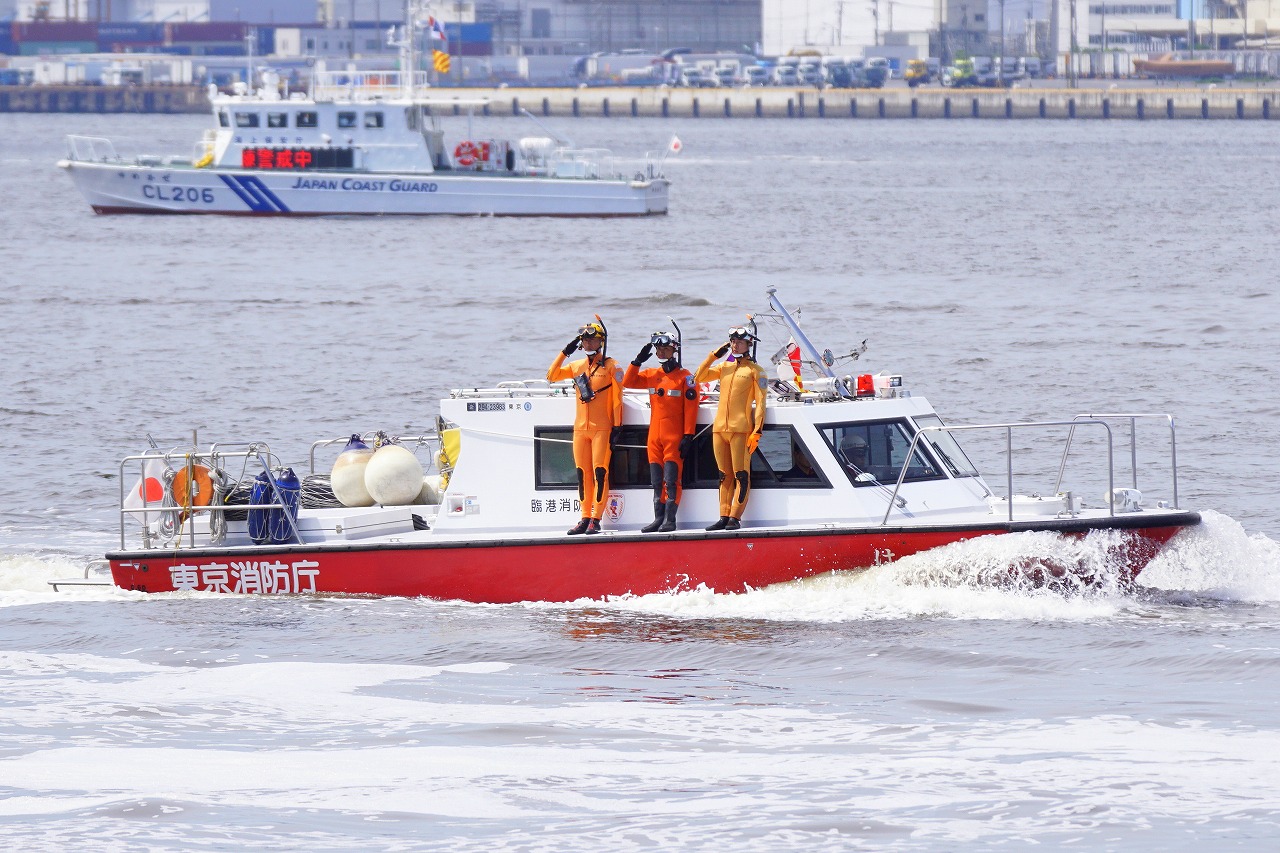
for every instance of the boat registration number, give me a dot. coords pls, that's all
(194, 195)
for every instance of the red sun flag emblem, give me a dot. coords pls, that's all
(150, 490)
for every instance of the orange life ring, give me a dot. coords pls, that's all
(467, 153)
(192, 487)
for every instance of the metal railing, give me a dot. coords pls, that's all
(91, 149)
(364, 85)
(419, 440)
(1078, 421)
(185, 459)
(1132, 418)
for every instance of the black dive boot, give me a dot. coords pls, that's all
(579, 528)
(593, 526)
(659, 514)
(669, 521)
(721, 524)
(732, 524)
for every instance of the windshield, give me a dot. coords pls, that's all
(871, 453)
(945, 448)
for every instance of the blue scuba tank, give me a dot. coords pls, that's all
(260, 494)
(280, 525)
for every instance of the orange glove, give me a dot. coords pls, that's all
(753, 441)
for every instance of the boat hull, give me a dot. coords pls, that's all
(593, 567)
(116, 188)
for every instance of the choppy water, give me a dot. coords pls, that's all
(1021, 270)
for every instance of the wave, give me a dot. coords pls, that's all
(1002, 577)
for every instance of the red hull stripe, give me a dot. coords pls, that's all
(558, 570)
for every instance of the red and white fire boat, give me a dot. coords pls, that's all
(478, 509)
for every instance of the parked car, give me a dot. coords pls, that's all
(756, 75)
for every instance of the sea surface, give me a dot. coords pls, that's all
(1008, 271)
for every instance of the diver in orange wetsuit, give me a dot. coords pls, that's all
(598, 421)
(673, 399)
(735, 433)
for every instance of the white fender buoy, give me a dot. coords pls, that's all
(347, 475)
(393, 476)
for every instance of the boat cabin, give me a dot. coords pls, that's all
(833, 462)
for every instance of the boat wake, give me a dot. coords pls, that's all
(1037, 576)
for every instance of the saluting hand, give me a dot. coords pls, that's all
(572, 347)
(645, 352)
(724, 348)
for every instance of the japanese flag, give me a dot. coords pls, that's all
(675, 146)
(150, 485)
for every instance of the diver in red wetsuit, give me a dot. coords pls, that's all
(673, 403)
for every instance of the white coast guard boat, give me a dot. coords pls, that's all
(362, 143)
(488, 523)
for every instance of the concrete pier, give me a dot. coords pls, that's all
(103, 99)
(897, 103)
(1134, 104)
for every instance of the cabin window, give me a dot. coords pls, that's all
(224, 120)
(305, 119)
(945, 448)
(277, 119)
(373, 119)
(246, 119)
(873, 453)
(346, 119)
(780, 462)
(411, 118)
(553, 459)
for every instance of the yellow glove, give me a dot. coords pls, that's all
(753, 441)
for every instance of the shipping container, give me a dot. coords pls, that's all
(56, 48)
(128, 46)
(217, 50)
(54, 31)
(6, 42)
(174, 50)
(266, 45)
(212, 48)
(135, 33)
(469, 39)
(208, 31)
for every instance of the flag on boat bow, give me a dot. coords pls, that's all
(793, 356)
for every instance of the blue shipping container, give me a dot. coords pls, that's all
(266, 45)
(469, 33)
(6, 42)
(222, 50)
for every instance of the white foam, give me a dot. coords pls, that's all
(1219, 559)
(24, 579)
(991, 578)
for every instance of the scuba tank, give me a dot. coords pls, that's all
(260, 494)
(280, 522)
